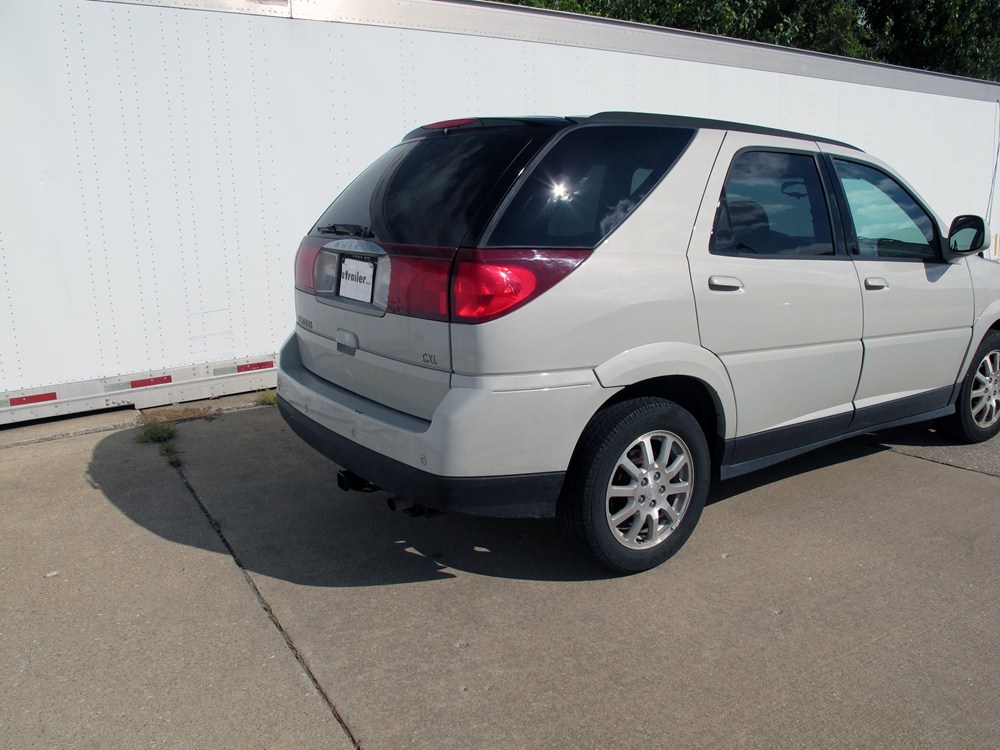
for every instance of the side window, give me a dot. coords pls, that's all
(887, 220)
(772, 204)
(587, 184)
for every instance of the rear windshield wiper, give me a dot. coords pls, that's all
(354, 230)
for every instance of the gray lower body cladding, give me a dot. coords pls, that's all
(511, 496)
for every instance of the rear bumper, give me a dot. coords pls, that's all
(494, 446)
(514, 496)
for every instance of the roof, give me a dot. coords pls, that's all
(701, 123)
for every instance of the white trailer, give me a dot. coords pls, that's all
(159, 161)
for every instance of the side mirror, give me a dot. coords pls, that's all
(968, 234)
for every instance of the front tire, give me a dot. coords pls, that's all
(637, 485)
(977, 416)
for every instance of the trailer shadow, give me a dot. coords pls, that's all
(275, 503)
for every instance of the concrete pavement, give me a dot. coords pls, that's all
(114, 637)
(845, 599)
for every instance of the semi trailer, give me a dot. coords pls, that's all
(159, 160)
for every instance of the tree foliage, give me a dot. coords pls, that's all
(961, 37)
(950, 36)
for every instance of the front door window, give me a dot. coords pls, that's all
(888, 222)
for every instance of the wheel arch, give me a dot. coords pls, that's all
(965, 424)
(691, 394)
(688, 374)
(988, 321)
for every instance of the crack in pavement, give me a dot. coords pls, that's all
(216, 526)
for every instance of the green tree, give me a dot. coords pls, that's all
(951, 36)
(961, 37)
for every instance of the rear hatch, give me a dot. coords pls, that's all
(372, 276)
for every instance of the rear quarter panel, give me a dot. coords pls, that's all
(632, 291)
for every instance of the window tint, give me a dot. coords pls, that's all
(586, 185)
(772, 204)
(433, 191)
(888, 221)
(353, 206)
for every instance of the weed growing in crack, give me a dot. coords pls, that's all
(162, 433)
(156, 432)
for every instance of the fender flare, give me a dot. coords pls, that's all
(673, 359)
(987, 319)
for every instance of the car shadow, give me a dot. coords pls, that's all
(275, 503)
(922, 435)
(831, 455)
(283, 516)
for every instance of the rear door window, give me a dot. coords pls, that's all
(773, 203)
(586, 185)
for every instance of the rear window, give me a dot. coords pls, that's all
(586, 185)
(434, 191)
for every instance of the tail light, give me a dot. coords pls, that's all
(305, 263)
(418, 281)
(488, 284)
(472, 286)
(447, 124)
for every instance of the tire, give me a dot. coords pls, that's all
(977, 415)
(636, 486)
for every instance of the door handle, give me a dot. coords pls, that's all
(725, 284)
(875, 283)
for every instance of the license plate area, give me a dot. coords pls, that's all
(357, 278)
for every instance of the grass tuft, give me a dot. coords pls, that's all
(267, 398)
(156, 432)
(162, 434)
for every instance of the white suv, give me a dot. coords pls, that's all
(590, 317)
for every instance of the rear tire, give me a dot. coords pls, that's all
(636, 486)
(977, 415)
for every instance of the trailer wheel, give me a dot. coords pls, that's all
(637, 485)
